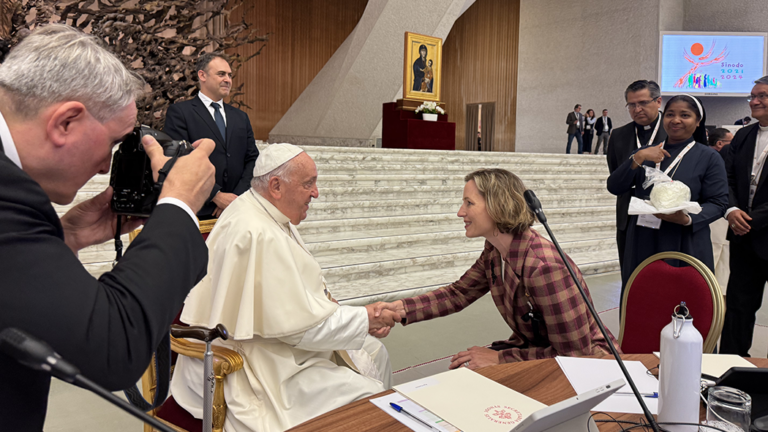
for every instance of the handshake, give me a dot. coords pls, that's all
(382, 317)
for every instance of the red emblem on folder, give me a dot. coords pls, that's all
(503, 414)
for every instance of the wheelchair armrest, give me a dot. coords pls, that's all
(225, 361)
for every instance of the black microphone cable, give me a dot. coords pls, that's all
(535, 205)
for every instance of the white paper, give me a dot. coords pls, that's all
(416, 410)
(585, 374)
(717, 364)
(639, 207)
(470, 401)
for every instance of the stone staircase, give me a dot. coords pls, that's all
(385, 224)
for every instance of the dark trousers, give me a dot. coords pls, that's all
(578, 139)
(749, 274)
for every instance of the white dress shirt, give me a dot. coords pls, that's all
(207, 102)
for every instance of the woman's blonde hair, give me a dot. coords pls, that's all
(503, 193)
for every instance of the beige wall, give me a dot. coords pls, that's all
(579, 52)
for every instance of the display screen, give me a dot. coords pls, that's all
(710, 64)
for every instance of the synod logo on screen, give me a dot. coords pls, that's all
(712, 64)
(694, 78)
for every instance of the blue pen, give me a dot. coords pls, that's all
(654, 395)
(400, 409)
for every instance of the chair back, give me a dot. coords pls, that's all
(653, 291)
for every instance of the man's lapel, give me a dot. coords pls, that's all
(230, 111)
(205, 116)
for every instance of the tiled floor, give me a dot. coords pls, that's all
(72, 409)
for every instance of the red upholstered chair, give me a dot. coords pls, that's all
(653, 291)
(225, 362)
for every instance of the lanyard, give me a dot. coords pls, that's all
(677, 159)
(653, 135)
(757, 164)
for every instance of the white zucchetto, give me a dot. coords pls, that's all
(273, 156)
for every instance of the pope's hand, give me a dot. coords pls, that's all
(386, 318)
(192, 177)
(395, 306)
(92, 222)
(475, 358)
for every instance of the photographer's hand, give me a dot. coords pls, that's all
(192, 177)
(92, 222)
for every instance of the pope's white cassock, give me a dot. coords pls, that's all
(268, 290)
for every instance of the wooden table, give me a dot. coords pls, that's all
(542, 380)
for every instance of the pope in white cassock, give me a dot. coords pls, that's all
(304, 354)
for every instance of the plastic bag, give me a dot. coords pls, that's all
(666, 193)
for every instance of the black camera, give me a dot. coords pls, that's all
(135, 191)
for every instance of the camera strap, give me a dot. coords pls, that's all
(162, 360)
(163, 173)
(162, 357)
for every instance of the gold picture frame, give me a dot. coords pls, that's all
(417, 84)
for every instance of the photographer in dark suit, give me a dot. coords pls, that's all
(207, 116)
(65, 102)
(643, 103)
(748, 222)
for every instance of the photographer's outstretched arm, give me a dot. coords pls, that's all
(192, 177)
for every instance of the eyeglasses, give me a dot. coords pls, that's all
(762, 97)
(642, 104)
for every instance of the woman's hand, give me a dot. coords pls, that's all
(395, 306)
(475, 358)
(655, 154)
(678, 217)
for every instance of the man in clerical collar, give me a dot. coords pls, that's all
(304, 354)
(643, 99)
(748, 225)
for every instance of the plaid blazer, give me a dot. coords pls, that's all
(535, 273)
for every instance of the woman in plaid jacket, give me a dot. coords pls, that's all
(533, 290)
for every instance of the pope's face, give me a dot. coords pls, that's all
(300, 189)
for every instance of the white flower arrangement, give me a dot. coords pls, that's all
(430, 108)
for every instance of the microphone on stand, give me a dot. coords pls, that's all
(38, 355)
(535, 205)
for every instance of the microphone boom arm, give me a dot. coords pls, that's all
(535, 206)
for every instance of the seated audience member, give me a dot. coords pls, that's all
(720, 140)
(267, 289)
(522, 270)
(685, 158)
(65, 102)
(743, 122)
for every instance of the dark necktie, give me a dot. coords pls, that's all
(219, 119)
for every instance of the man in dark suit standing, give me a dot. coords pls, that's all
(65, 102)
(207, 116)
(575, 122)
(644, 104)
(604, 126)
(748, 225)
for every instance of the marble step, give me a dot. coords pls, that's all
(354, 266)
(373, 288)
(342, 194)
(375, 243)
(371, 228)
(463, 159)
(362, 151)
(520, 169)
(395, 180)
(358, 209)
